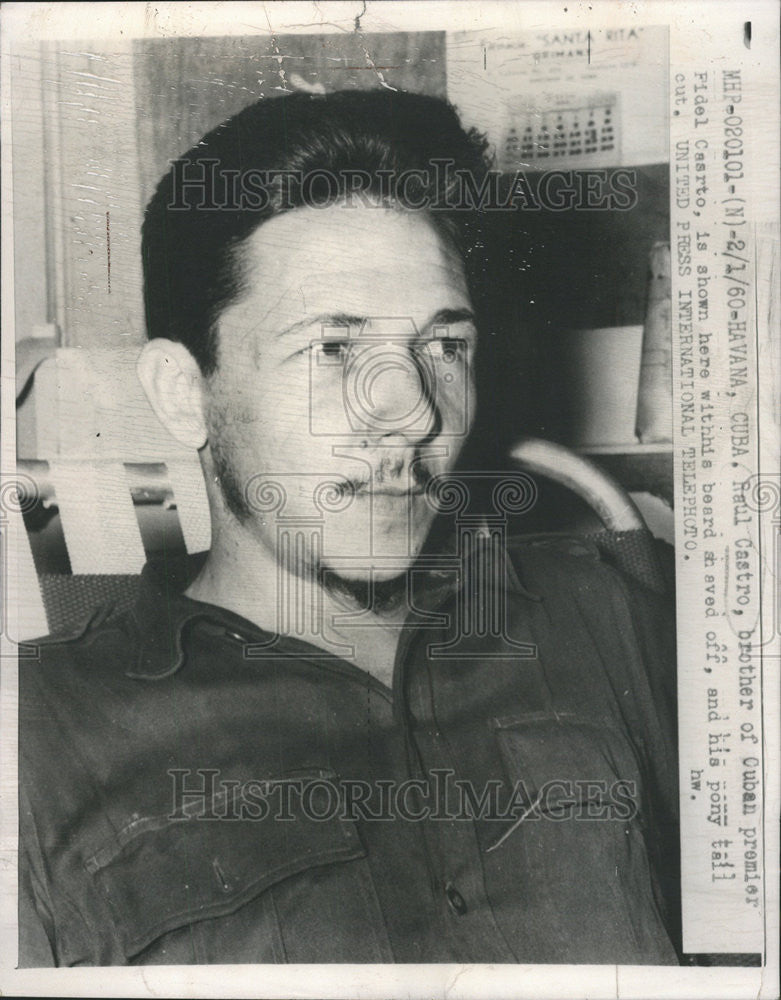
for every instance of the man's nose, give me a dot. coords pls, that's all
(390, 390)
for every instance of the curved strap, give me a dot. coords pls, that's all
(601, 491)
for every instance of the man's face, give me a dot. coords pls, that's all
(346, 361)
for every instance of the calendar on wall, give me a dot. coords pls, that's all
(574, 99)
(571, 126)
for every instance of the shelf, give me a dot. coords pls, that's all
(630, 448)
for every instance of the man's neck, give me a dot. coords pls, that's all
(241, 575)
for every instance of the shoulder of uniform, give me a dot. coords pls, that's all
(564, 563)
(554, 545)
(87, 626)
(81, 646)
(617, 564)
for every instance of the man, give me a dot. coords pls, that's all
(361, 728)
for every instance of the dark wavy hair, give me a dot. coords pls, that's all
(238, 177)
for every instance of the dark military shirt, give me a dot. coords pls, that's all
(196, 790)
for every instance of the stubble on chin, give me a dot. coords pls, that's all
(379, 596)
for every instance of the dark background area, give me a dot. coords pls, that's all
(548, 272)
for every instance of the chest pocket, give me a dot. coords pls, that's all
(291, 885)
(588, 890)
(571, 768)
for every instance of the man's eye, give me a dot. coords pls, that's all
(447, 349)
(331, 352)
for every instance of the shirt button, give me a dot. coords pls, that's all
(455, 900)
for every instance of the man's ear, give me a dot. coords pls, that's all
(173, 384)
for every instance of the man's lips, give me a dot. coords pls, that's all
(388, 491)
(409, 483)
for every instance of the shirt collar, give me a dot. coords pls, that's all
(163, 612)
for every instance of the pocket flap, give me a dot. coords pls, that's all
(161, 873)
(564, 759)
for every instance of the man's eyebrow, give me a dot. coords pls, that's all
(443, 317)
(323, 320)
(448, 317)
